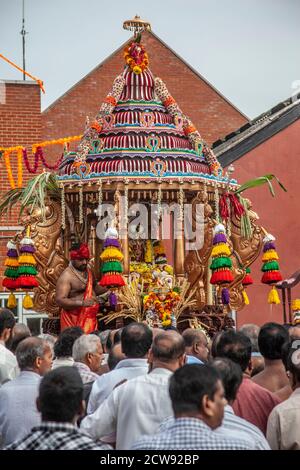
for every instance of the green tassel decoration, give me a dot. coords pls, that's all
(112, 266)
(270, 266)
(221, 262)
(27, 270)
(11, 272)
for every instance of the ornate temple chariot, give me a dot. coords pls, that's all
(141, 149)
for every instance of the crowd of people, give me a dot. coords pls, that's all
(149, 389)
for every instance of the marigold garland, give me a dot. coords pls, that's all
(8, 169)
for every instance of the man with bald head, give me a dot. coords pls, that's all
(196, 346)
(138, 406)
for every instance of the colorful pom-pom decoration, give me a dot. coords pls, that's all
(221, 265)
(247, 281)
(10, 280)
(270, 268)
(27, 270)
(296, 311)
(111, 268)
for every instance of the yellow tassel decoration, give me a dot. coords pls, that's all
(221, 249)
(27, 259)
(246, 298)
(12, 301)
(111, 254)
(11, 262)
(27, 301)
(273, 297)
(270, 255)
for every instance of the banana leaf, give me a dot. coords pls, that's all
(260, 181)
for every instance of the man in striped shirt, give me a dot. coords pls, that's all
(234, 426)
(198, 401)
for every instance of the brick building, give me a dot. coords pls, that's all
(269, 145)
(20, 124)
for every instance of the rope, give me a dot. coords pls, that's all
(39, 82)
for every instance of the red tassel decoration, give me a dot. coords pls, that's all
(247, 281)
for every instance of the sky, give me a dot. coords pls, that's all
(248, 50)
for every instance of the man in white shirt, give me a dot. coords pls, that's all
(233, 426)
(8, 363)
(136, 339)
(18, 412)
(284, 420)
(138, 406)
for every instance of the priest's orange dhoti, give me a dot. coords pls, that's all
(85, 317)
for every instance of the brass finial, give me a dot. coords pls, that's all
(137, 25)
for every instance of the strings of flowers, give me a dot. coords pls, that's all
(39, 156)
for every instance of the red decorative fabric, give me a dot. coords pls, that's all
(235, 206)
(82, 252)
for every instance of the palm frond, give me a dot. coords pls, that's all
(266, 179)
(130, 298)
(33, 195)
(187, 297)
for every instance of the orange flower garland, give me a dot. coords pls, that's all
(168, 101)
(110, 100)
(8, 169)
(20, 167)
(190, 129)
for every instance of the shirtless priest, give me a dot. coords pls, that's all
(76, 292)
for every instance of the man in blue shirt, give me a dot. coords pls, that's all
(196, 346)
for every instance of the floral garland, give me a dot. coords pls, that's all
(62, 140)
(181, 203)
(39, 156)
(136, 57)
(8, 169)
(163, 306)
(159, 209)
(63, 208)
(80, 204)
(216, 198)
(20, 167)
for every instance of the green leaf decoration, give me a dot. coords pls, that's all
(266, 179)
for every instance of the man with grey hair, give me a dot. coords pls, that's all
(87, 353)
(139, 405)
(252, 331)
(18, 412)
